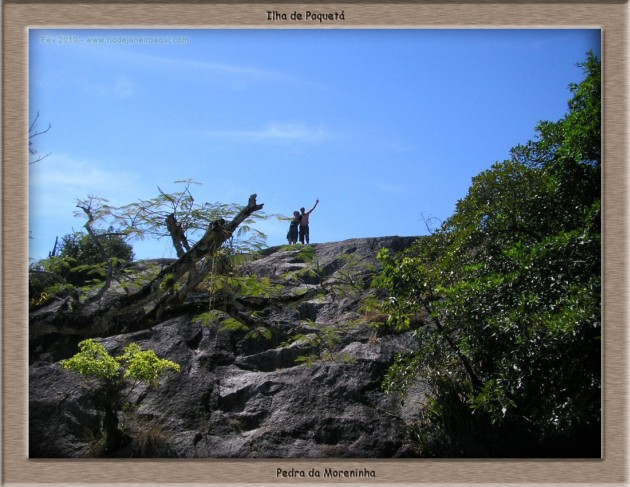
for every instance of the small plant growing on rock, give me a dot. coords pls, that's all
(111, 375)
(226, 323)
(169, 283)
(305, 253)
(322, 344)
(244, 286)
(148, 439)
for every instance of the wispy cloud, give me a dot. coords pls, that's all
(118, 86)
(121, 68)
(55, 185)
(59, 180)
(276, 132)
(209, 66)
(239, 74)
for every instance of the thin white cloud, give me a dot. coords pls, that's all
(114, 84)
(213, 70)
(59, 180)
(215, 67)
(118, 86)
(55, 185)
(280, 132)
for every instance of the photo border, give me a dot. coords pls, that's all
(18, 16)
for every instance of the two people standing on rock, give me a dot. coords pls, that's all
(298, 228)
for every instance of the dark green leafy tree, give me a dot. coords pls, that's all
(82, 259)
(505, 300)
(76, 263)
(90, 263)
(80, 247)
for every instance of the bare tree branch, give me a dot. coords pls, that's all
(32, 133)
(96, 239)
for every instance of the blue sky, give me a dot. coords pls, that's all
(383, 126)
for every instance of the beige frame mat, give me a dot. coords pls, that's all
(19, 15)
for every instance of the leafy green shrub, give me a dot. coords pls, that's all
(144, 365)
(89, 263)
(169, 283)
(78, 263)
(110, 375)
(45, 280)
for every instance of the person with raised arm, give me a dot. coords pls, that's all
(304, 230)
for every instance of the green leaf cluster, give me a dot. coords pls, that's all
(225, 322)
(305, 253)
(321, 343)
(246, 286)
(144, 365)
(508, 292)
(93, 361)
(169, 283)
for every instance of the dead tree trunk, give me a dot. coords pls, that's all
(180, 242)
(143, 308)
(106, 258)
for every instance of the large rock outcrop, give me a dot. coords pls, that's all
(310, 388)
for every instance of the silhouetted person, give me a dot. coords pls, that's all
(304, 231)
(292, 235)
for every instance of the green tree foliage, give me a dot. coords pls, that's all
(320, 342)
(179, 216)
(101, 254)
(110, 375)
(77, 262)
(505, 300)
(80, 249)
(94, 362)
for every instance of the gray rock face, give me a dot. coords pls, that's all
(312, 389)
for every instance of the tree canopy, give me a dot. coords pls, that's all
(505, 299)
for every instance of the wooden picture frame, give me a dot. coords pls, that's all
(19, 16)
